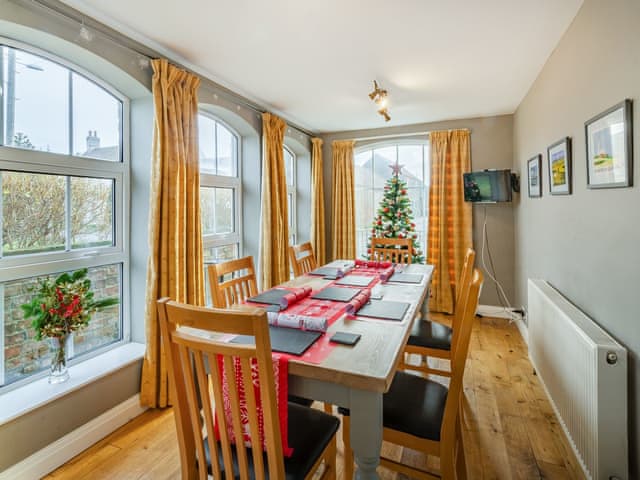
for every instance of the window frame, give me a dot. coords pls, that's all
(46, 263)
(426, 164)
(209, 180)
(292, 190)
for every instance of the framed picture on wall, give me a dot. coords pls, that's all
(559, 163)
(609, 138)
(534, 168)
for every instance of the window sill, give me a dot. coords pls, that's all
(23, 400)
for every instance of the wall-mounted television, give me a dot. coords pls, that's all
(487, 186)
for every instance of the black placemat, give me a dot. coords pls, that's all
(284, 340)
(406, 278)
(355, 280)
(384, 309)
(337, 294)
(270, 297)
(325, 272)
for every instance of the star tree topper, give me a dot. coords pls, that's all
(396, 168)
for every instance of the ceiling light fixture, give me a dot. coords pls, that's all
(379, 95)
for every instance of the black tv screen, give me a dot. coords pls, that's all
(488, 186)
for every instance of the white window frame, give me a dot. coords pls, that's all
(222, 181)
(46, 263)
(292, 190)
(426, 163)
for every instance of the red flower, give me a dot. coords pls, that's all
(59, 295)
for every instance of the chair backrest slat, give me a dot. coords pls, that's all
(462, 291)
(302, 258)
(395, 250)
(459, 359)
(236, 289)
(195, 361)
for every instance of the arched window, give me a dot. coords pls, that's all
(290, 171)
(220, 190)
(372, 169)
(64, 175)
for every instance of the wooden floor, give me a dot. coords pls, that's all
(510, 430)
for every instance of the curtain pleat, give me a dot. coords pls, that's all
(274, 219)
(450, 220)
(343, 201)
(175, 266)
(317, 202)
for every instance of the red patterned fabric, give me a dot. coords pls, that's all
(280, 374)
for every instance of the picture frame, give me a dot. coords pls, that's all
(559, 166)
(534, 176)
(609, 147)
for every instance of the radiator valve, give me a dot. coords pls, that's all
(612, 358)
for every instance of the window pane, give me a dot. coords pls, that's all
(35, 117)
(288, 166)
(410, 156)
(382, 159)
(207, 210)
(207, 144)
(362, 172)
(97, 121)
(91, 212)
(221, 254)
(224, 210)
(290, 210)
(105, 326)
(32, 213)
(23, 355)
(226, 144)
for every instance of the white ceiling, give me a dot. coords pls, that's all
(314, 61)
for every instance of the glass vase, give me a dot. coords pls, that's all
(59, 372)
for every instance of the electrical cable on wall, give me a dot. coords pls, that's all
(491, 273)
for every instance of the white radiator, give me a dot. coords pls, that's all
(584, 372)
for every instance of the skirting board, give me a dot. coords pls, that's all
(64, 449)
(499, 312)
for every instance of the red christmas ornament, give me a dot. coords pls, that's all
(400, 235)
(385, 209)
(404, 192)
(379, 222)
(413, 225)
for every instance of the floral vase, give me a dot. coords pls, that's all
(59, 372)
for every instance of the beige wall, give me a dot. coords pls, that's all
(586, 244)
(491, 147)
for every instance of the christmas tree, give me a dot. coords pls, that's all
(394, 218)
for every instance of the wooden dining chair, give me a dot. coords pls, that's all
(302, 258)
(232, 282)
(236, 290)
(429, 338)
(424, 415)
(197, 388)
(395, 250)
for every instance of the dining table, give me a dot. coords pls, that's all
(356, 377)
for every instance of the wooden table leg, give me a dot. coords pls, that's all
(366, 432)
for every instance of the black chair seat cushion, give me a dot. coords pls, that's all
(305, 402)
(310, 431)
(426, 333)
(413, 405)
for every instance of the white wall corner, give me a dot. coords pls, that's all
(64, 449)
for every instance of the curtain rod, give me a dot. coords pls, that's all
(145, 52)
(401, 135)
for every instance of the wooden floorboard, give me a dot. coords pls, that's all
(509, 428)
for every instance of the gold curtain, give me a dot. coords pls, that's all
(449, 215)
(175, 266)
(343, 201)
(317, 202)
(274, 220)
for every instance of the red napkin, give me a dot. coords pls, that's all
(373, 264)
(294, 296)
(280, 373)
(359, 301)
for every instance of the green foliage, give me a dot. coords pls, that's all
(394, 218)
(64, 305)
